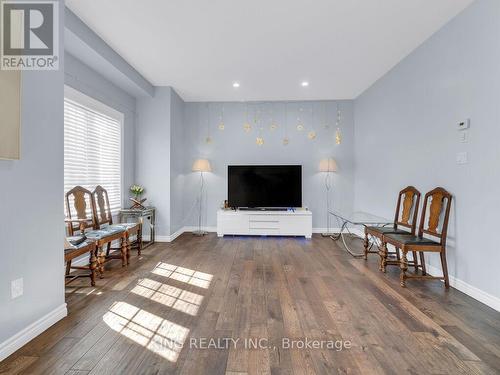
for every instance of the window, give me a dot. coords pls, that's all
(92, 146)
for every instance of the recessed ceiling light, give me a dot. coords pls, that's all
(305, 83)
(236, 85)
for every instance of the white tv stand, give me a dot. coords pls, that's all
(265, 223)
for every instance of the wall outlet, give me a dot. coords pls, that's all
(464, 124)
(461, 157)
(16, 288)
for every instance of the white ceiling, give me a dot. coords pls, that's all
(200, 47)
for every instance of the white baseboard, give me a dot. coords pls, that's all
(21, 338)
(173, 236)
(472, 291)
(177, 233)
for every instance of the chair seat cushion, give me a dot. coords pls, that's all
(103, 233)
(76, 245)
(385, 230)
(410, 239)
(76, 240)
(126, 226)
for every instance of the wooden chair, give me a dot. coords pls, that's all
(81, 210)
(438, 203)
(104, 218)
(405, 217)
(73, 251)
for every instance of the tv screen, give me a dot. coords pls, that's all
(265, 186)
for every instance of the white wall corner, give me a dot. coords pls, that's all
(24, 336)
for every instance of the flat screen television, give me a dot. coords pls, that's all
(265, 186)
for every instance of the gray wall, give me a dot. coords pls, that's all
(160, 154)
(84, 79)
(153, 154)
(32, 219)
(406, 123)
(177, 156)
(234, 146)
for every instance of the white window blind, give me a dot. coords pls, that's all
(92, 151)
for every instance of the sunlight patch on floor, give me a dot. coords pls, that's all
(158, 335)
(185, 275)
(168, 295)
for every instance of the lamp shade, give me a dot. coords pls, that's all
(328, 165)
(201, 165)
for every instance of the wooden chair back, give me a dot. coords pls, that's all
(407, 209)
(102, 210)
(79, 210)
(438, 204)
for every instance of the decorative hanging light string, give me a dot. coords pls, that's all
(338, 133)
(221, 118)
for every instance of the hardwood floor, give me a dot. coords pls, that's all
(136, 319)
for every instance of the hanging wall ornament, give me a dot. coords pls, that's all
(208, 138)
(273, 125)
(300, 124)
(246, 126)
(312, 133)
(286, 140)
(338, 133)
(257, 122)
(325, 117)
(338, 136)
(221, 119)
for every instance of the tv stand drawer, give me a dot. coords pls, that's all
(263, 223)
(269, 223)
(264, 231)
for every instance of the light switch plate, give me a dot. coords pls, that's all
(461, 157)
(16, 288)
(464, 124)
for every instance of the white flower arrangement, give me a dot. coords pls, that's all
(137, 190)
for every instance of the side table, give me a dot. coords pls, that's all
(148, 213)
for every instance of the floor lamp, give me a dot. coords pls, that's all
(201, 165)
(328, 166)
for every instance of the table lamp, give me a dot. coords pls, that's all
(327, 166)
(201, 165)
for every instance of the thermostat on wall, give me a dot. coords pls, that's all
(462, 125)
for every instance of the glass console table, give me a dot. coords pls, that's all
(357, 218)
(141, 215)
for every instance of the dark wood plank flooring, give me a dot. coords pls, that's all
(141, 319)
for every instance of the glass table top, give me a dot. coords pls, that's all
(360, 218)
(136, 210)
